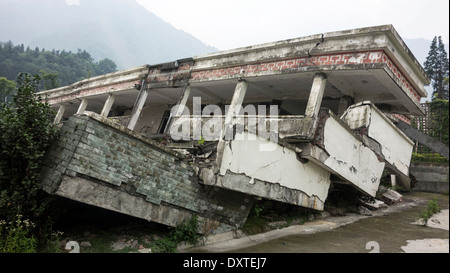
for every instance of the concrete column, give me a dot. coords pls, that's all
(182, 100)
(315, 97)
(393, 180)
(108, 104)
(137, 109)
(60, 114)
(236, 102)
(82, 106)
(227, 129)
(181, 103)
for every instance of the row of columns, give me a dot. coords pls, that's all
(84, 102)
(312, 108)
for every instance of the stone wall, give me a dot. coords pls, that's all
(101, 163)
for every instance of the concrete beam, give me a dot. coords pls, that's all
(60, 114)
(315, 97)
(423, 139)
(82, 106)
(108, 104)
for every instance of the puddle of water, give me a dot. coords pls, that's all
(391, 232)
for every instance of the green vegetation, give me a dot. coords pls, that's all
(26, 131)
(440, 120)
(437, 127)
(437, 68)
(432, 208)
(16, 237)
(184, 232)
(7, 89)
(56, 68)
(428, 158)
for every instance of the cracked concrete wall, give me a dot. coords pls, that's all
(263, 164)
(395, 147)
(350, 158)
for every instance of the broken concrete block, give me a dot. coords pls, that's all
(373, 204)
(390, 196)
(364, 211)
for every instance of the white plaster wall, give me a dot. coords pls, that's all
(350, 158)
(279, 165)
(396, 149)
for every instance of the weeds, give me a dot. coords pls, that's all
(184, 232)
(16, 237)
(432, 208)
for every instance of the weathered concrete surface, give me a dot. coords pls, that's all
(100, 163)
(427, 246)
(382, 136)
(259, 159)
(358, 166)
(440, 220)
(431, 177)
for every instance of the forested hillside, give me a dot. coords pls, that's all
(55, 67)
(120, 30)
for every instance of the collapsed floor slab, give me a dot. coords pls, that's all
(100, 163)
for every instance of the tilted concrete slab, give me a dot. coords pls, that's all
(382, 136)
(101, 163)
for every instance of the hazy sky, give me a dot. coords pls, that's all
(236, 23)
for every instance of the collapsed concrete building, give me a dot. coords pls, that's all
(145, 141)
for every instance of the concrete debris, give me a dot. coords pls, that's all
(364, 211)
(390, 196)
(373, 204)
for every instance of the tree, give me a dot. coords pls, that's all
(7, 88)
(50, 79)
(26, 131)
(437, 68)
(60, 67)
(106, 66)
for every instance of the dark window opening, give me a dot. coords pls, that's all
(165, 120)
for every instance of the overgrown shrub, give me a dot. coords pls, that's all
(432, 208)
(16, 236)
(428, 158)
(26, 130)
(183, 232)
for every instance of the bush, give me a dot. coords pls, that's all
(432, 208)
(428, 158)
(184, 232)
(26, 130)
(16, 236)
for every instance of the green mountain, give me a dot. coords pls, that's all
(120, 30)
